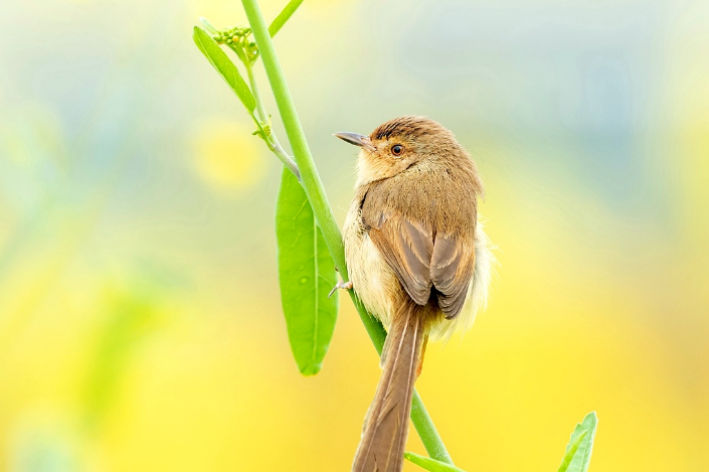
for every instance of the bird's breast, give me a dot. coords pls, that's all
(373, 279)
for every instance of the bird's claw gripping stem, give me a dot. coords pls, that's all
(340, 285)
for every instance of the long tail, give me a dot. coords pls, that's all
(387, 423)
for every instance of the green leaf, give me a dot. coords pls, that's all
(224, 66)
(578, 451)
(429, 463)
(306, 273)
(210, 27)
(283, 16)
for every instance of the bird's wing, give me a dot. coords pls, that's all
(407, 247)
(452, 267)
(423, 257)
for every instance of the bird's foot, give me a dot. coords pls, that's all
(340, 285)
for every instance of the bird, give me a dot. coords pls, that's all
(418, 258)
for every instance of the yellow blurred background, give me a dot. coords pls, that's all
(140, 322)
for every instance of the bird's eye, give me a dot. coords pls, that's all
(397, 150)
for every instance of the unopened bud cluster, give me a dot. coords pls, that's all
(237, 36)
(232, 35)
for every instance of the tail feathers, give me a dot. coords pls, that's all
(387, 423)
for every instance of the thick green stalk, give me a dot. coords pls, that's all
(311, 181)
(315, 191)
(432, 441)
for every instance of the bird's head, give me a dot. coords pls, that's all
(400, 143)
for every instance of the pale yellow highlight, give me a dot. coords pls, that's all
(227, 156)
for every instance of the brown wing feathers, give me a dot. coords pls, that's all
(422, 257)
(452, 266)
(407, 249)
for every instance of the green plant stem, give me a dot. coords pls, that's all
(323, 213)
(254, 91)
(432, 441)
(262, 118)
(310, 178)
(311, 182)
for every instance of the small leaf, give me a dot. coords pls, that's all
(283, 16)
(224, 66)
(578, 451)
(429, 463)
(306, 273)
(210, 27)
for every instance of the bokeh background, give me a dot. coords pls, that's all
(140, 322)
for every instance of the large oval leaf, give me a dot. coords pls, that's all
(578, 451)
(306, 273)
(221, 62)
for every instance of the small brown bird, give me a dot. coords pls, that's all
(417, 258)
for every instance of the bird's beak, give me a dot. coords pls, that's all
(357, 140)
